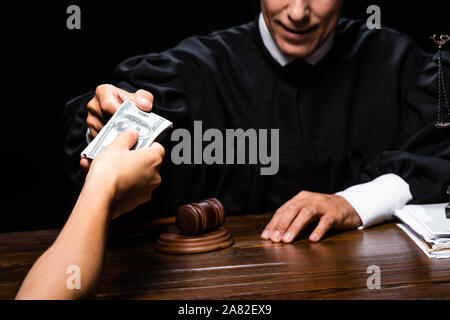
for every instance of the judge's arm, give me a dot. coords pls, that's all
(110, 190)
(416, 169)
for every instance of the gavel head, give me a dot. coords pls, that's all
(203, 216)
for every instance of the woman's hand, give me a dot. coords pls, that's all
(128, 177)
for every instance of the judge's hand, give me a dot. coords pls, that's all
(126, 177)
(332, 211)
(108, 99)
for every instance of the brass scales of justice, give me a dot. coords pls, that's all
(443, 121)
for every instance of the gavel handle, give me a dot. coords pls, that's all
(157, 223)
(140, 226)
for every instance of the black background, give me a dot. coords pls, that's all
(45, 65)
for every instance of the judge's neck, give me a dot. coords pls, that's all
(282, 58)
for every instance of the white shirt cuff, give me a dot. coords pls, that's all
(376, 201)
(88, 136)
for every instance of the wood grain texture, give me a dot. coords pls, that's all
(252, 268)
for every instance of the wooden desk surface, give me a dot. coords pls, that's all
(335, 268)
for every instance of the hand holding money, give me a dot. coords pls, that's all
(128, 116)
(129, 176)
(108, 99)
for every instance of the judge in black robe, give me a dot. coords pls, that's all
(357, 121)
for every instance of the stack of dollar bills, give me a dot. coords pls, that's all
(148, 125)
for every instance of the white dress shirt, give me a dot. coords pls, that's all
(374, 201)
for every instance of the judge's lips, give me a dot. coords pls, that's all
(297, 34)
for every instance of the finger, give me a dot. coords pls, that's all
(108, 97)
(143, 100)
(306, 215)
(157, 148)
(283, 223)
(155, 154)
(93, 132)
(290, 212)
(126, 139)
(123, 95)
(85, 164)
(325, 224)
(270, 227)
(94, 108)
(284, 216)
(93, 122)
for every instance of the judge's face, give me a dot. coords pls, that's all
(299, 27)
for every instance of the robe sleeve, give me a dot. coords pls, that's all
(421, 153)
(169, 76)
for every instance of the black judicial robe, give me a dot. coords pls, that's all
(366, 109)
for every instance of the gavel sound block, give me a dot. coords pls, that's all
(197, 229)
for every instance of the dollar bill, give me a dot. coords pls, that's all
(148, 125)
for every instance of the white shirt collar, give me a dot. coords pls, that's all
(282, 58)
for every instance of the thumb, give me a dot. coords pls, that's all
(143, 100)
(126, 139)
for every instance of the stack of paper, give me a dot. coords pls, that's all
(428, 226)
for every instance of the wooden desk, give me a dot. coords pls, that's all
(335, 268)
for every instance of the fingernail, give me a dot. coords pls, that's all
(314, 237)
(287, 236)
(265, 234)
(276, 236)
(144, 103)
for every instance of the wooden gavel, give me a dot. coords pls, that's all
(198, 218)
